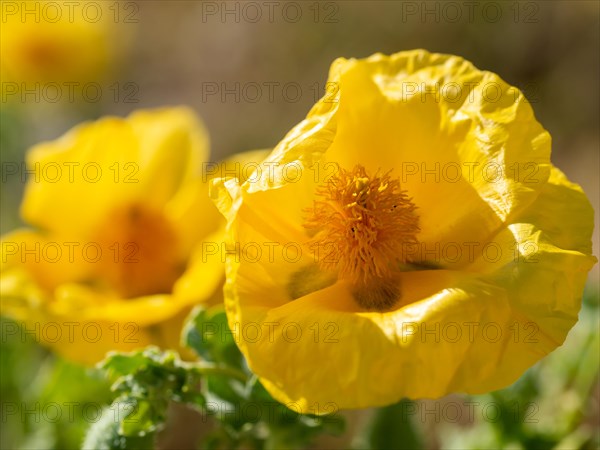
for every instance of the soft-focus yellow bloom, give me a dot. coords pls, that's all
(47, 41)
(423, 242)
(121, 210)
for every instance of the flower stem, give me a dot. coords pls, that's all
(215, 369)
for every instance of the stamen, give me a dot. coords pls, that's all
(368, 221)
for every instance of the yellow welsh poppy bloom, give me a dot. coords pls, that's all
(409, 238)
(49, 47)
(120, 211)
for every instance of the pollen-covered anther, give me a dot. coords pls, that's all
(362, 228)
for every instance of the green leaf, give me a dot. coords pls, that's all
(207, 333)
(146, 382)
(223, 388)
(121, 364)
(142, 419)
(334, 424)
(392, 429)
(104, 434)
(258, 392)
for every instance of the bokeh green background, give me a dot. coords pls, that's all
(180, 51)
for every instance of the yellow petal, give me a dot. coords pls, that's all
(80, 178)
(51, 260)
(192, 211)
(319, 349)
(205, 273)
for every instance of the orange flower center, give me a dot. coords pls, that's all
(44, 55)
(142, 256)
(362, 225)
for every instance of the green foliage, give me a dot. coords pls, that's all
(145, 382)
(104, 434)
(46, 402)
(391, 428)
(220, 386)
(208, 334)
(12, 149)
(547, 407)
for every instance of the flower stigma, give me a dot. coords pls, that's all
(361, 227)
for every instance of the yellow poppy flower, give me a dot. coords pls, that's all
(121, 210)
(409, 238)
(60, 42)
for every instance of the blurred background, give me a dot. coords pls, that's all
(252, 70)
